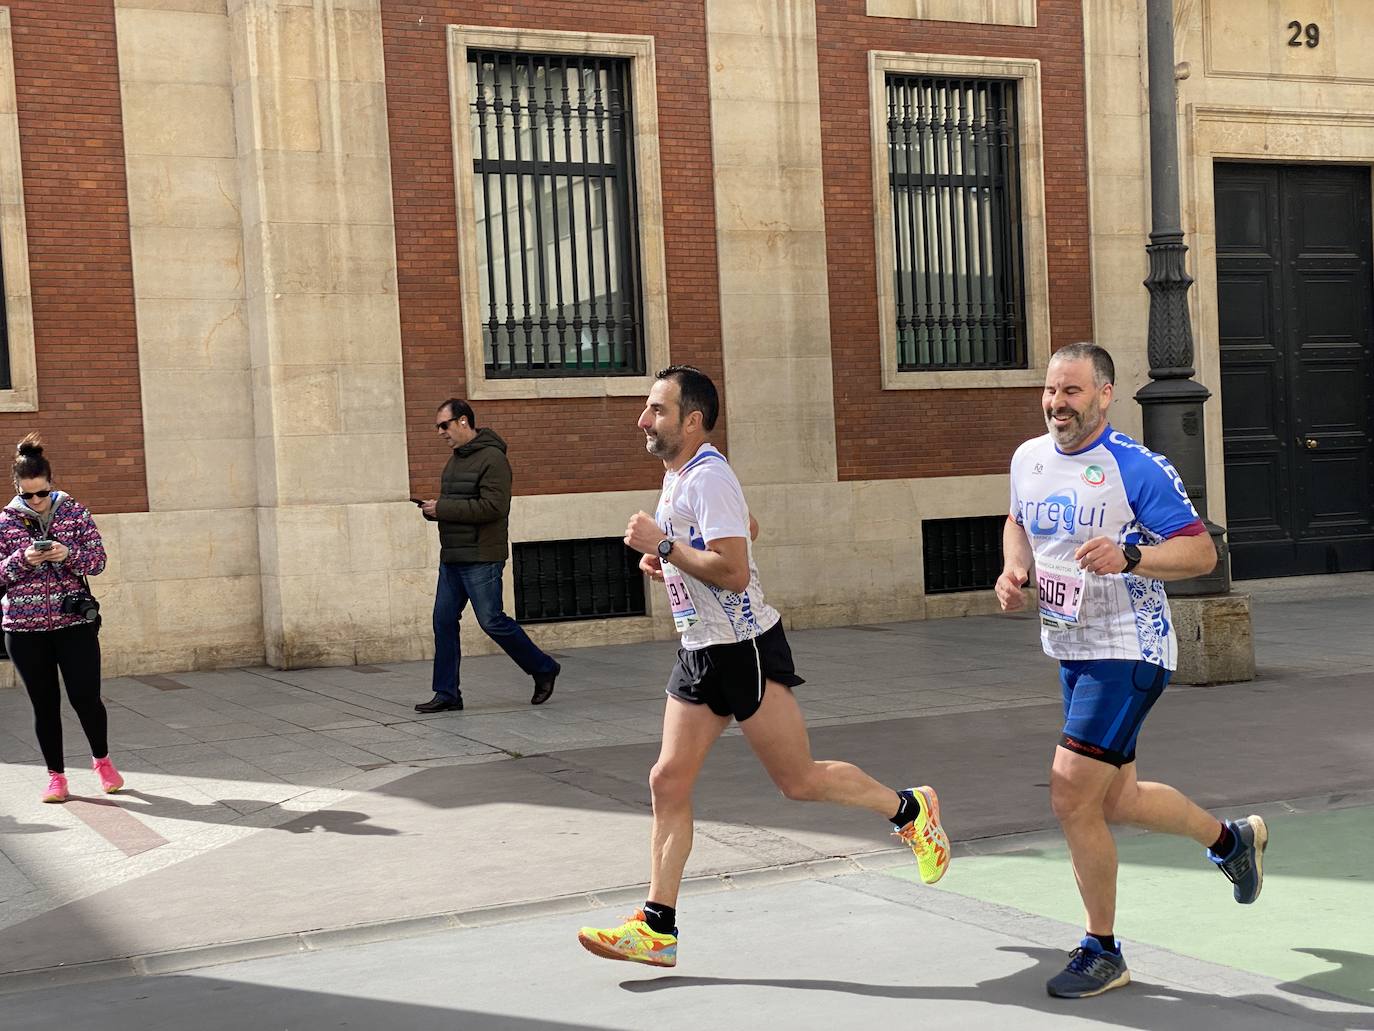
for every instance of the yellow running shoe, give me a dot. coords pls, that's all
(927, 838)
(633, 940)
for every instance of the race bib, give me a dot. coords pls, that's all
(685, 615)
(1061, 585)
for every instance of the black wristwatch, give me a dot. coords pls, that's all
(665, 548)
(1132, 554)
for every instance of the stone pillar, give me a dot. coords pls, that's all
(335, 534)
(770, 239)
(1215, 639)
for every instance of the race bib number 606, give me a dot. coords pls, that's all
(1061, 592)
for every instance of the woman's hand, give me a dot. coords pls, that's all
(59, 552)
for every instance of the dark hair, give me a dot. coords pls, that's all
(460, 409)
(1104, 369)
(698, 393)
(29, 463)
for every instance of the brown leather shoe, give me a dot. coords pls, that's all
(543, 685)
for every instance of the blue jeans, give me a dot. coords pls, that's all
(479, 582)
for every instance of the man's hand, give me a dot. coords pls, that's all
(1102, 556)
(643, 534)
(1008, 588)
(651, 565)
(427, 509)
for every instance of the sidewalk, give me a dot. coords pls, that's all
(264, 804)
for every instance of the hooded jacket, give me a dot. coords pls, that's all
(474, 502)
(33, 597)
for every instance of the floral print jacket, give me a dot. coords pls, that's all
(33, 597)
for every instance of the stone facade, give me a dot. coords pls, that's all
(284, 182)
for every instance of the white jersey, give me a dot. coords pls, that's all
(703, 501)
(1114, 488)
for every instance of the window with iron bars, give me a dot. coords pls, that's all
(954, 165)
(963, 554)
(557, 222)
(593, 578)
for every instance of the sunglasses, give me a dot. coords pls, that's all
(31, 494)
(441, 426)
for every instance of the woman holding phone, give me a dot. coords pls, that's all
(48, 545)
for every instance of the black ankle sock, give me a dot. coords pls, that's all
(908, 809)
(1107, 941)
(660, 918)
(1223, 845)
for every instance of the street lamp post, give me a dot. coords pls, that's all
(1172, 401)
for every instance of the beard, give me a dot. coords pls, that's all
(1080, 427)
(662, 447)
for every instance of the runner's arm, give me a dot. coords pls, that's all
(1016, 564)
(724, 563)
(753, 528)
(1177, 558)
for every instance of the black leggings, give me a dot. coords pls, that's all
(37, 656)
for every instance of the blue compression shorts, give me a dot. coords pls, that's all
(1105, 702)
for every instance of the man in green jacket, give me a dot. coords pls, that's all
(472, 511)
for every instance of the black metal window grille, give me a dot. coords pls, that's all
(557, 215)
(594, 578)
(962, 554)
(956, 211)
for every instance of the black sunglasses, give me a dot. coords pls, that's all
(30, 494)
(441, 426)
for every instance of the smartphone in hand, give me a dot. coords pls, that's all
(419, 502)
(44, 544)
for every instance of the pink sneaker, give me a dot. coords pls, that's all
(57, 788)
(110, 780)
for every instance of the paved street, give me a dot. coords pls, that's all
(388, 870)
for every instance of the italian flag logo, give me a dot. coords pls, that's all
(1094, 476)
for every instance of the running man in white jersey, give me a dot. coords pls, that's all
(1106, 521)
(734, 663)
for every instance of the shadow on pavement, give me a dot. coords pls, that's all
(10, 825)
(338, 821)
(1353, 977)
(177, 1002)
(1141, 1005)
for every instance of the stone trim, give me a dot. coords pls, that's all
(1035, 244)
(14, 240)
(980, 12)
(653, 273)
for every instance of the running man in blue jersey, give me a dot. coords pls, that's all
(1105, 522)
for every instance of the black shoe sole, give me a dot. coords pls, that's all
(428, 711)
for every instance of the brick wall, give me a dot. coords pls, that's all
(76, 206)
(556, 445)
(905, 433)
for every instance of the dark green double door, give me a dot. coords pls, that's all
(1294, 295)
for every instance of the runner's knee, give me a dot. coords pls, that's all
(800, 785)
(1070, 800)
(669, 784)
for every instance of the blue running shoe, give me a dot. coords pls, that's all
(1092, 970)
(1244, 867)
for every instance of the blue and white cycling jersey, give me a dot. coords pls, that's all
(1116, 488)
(703, 501)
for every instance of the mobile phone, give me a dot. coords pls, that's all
(44, 544)
(417, 501)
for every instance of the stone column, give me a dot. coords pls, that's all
(324, 334)
(770, 239)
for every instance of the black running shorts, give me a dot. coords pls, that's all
(730, 678)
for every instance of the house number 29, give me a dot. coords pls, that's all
(1308, 35)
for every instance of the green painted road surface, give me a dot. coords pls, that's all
(1311, 928)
